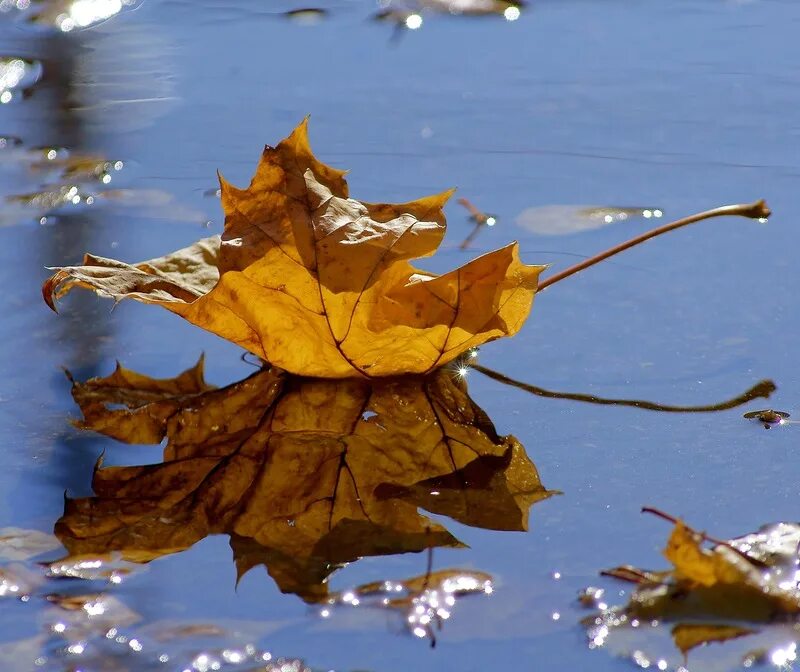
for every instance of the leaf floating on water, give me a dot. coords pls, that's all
(320, 284)
(689, 636)
(716, 593)
(559, 220)
(425, 601)
(16, 75)
(20, 544)
(329, 468)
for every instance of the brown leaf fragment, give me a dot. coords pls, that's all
(319, 284)
(688, 636)
(716, 591)
(292, 468)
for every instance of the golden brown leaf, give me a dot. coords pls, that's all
(297, 471)
(698, 565)
(688, 636)
(320, 284)
(753, 578)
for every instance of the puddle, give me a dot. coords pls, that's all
(626, 386)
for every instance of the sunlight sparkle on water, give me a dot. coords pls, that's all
(413, 21)
(783, 658)
(85, 13)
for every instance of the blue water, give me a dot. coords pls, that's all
(685, 105)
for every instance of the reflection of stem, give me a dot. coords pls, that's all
(480, 219)
(759, 390)
(468, 240)
(757, 210)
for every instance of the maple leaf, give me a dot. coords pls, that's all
(320, 284)
(298, 471)
(711, 594)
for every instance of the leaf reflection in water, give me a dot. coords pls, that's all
(303, 474)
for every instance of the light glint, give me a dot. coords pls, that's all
(413, 21)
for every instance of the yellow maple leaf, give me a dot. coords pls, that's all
(320, 284)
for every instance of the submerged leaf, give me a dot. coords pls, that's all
(320, 284)
(303, 474)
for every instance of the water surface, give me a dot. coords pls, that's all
(682, 104)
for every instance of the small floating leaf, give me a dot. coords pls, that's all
(747, 588)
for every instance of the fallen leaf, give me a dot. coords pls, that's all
(716, 592)
(729, 579)
(320, 284)
(688, 636)
(298, 471)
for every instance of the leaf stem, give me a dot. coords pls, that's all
(704, 536)
(761, 389)
(756, 210)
